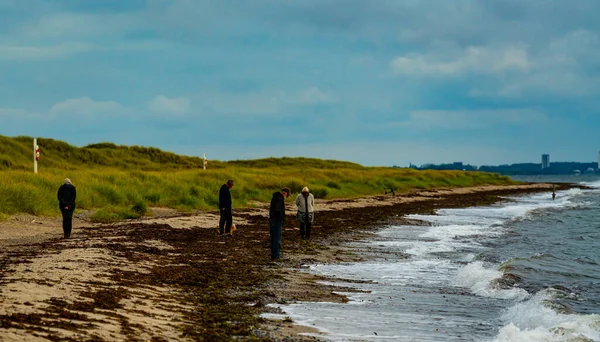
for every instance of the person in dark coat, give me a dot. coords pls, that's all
(225, 209)
(66, 202)
(276, 221)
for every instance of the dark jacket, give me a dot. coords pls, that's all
(224, 197)
(66, 196)
(277, 209)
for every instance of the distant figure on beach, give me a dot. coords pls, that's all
(553, 195)
(305, 202)
(66, 202)
(225, 209)
(276, 221)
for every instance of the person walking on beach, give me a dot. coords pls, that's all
(276, 221)
(225, 209)
(305, 202)
(66, 202)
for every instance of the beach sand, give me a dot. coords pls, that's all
(170, 277)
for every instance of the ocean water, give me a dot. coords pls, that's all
(527, 269)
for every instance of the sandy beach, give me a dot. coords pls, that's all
(170, 277)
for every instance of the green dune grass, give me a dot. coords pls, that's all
(120, 182)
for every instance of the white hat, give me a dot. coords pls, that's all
(305, 189)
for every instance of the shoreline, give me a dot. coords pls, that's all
(172, 278)
(391, 210)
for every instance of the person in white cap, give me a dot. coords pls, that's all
(305, 202)
(66, 202)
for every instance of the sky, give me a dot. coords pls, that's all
(377, 82)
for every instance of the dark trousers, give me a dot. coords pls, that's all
(67, 221)
(305, 230)
(226, 221)
(275, 231)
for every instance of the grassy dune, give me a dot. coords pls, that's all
(122, 182)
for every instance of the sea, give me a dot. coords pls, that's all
(524, 269)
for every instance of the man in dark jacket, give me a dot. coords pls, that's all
(276, 221)
(225, 209)
(66, 202)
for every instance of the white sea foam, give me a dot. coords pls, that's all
(401, 294)
(423, 249)
(453, 231)
(458, 217)
(595, 184)
(480, 280)
(401, 272)
(531, 320)
(498, 214)
(423, 241)
(366, 322)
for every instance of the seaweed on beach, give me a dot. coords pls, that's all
(222, 285)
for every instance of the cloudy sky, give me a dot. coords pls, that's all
(378, 82)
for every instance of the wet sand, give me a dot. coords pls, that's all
(172, 278)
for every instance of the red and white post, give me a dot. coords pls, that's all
(36, 155)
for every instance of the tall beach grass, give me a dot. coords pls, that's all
(123, 182)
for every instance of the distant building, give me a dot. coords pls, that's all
(458, 165)
(545, 161)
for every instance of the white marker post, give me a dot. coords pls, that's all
(205, 162)
(35, 155)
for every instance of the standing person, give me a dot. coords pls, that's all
(276, 221)
(305, 202)
(66, 202)
(225, 209)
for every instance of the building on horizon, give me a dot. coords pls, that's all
(545, 161)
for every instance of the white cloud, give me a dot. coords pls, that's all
(33, 52)
(43, 52)
(313, 96)
(364, 61)
(58, 34)
(477, 60)
(79, 108)
(473, 119)
(578, 42)
(562, 84)
(163, 104)
(265, 102)
(564, 67)
(69, 25)
(10, 113)
(85, 106)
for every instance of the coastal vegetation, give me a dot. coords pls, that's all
(120, 182)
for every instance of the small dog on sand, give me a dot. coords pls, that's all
(233, 228)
